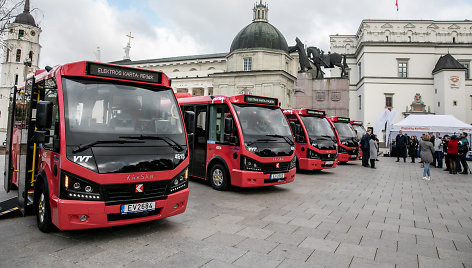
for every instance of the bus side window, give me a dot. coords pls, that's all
(301, 136)
(218, 113)
(50, 94)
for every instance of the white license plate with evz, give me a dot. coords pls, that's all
(353, 156)
(277, 176)
(328, 163)
(138, 207)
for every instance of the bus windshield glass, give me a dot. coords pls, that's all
(100, 110)
(345, 130)
(318, 127)
(261, 123)
(360, 131)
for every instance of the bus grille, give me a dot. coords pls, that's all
(271, 167)
(126, 193)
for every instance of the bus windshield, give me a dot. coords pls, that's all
(345, 130)
(318, 127)
(360, 131)
(101, 110)
(261, 123)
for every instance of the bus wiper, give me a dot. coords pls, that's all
(289, 141)
(258, 140)
(83, 147)
(167, 140)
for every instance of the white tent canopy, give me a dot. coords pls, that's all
(446, 124)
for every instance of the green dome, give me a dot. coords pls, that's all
(259, 35)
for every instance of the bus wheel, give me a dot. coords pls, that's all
(43, 211)
(219, 178)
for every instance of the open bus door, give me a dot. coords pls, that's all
(21, 150)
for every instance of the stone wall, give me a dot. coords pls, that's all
(328, 94)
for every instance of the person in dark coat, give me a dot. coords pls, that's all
(462, 149)
(446, 140)
(365, 147)
(413, 148)
(401, 142)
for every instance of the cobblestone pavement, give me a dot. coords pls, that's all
(347, 217)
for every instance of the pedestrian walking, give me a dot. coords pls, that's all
(426, 153)
(438, 151)
(462, 149)
(401, 142)
(452, 153)
(373, 145)
(413, 148)
(365, 145)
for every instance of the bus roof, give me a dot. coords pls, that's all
(183, 98)
(106, 71)
(310, 112)
(339, 119)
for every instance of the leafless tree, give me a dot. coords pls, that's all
(9, 9)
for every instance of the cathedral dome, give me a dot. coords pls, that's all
(260, 33)
(26, 17)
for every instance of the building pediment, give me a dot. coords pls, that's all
(387, 26)
(348, 41)
(409, 26)
(454, 27)
(433, 26)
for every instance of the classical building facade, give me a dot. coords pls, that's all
(258, 63)
(410, 66)
(20, 56)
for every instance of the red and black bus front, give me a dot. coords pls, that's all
(360, 131)
(315, 139)
(348, 143)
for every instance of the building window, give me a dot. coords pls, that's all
(409, 39)
(30, 55)
(18, 55)
(389, 100)
(454, 103)
(247, 64)
(453, 40)
(360, 102)
(467, 69)
(8, 55)
(360, 70)
(439, 104)
(16, 79)
(286, 66)
(21, 33)
(402, 69)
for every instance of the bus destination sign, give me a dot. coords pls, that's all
(357, 123)
(315, 112)
(261, 100)
(343, 119)
(124, 73)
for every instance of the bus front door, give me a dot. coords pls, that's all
(198, 153)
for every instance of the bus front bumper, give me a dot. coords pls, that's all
(316, 164)
(346, 157)
(67, 214)
(244, 178)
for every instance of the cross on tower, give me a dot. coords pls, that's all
(129, 36)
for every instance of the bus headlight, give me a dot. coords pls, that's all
(293, 163)
(312, 154)
(250, 164)
(179, 182)
(76, 188)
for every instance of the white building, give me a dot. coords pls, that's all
(21, 47)
(391, 65)
(258, 63)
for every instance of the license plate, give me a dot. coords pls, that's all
(328, 163)
(277, 176)
(138, 207)
(353, 156)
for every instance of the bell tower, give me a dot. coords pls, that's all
(260, 12)
(20, 56)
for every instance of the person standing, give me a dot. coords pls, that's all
(462, 150)
(426, 153)
(373, 145)
(446, 140)
(365, 145)
(401, 142)
(452, 153)
(438, 151)
(413, 148)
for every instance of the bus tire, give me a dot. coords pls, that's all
(43, 210)
(219, 178)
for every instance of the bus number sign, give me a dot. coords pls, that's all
(124, 73)
(260, 100)
(315, 112)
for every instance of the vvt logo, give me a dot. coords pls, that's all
(82, 158)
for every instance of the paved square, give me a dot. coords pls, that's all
(350, 216)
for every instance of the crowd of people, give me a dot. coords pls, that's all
(432, 150)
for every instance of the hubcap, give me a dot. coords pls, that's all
(41, 207)
(218, 177)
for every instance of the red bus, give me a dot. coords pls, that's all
(315, 139)
(360, 131)
(348, 144)
(242, 140)
(94, 145)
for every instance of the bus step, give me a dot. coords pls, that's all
(9, 205)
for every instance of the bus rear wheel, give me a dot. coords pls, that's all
(43, 211)
(219, 178)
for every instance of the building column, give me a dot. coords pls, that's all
(205, 91)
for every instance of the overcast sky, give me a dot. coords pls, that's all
(72, 30)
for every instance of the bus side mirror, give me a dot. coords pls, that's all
(228, 125)
(189, 120)
(40, 136)
(44, 115)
